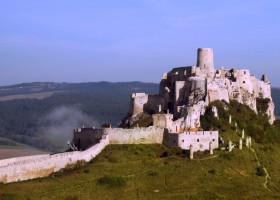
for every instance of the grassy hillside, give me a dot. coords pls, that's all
(156, 172)
(142, 172)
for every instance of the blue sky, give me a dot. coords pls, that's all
(133, 40)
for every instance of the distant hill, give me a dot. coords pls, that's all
(275, 93)
(43, 114)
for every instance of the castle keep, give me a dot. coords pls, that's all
(174, 113)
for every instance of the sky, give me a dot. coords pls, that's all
(134, 40)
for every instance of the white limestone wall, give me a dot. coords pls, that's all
(137, 135)
(30, 167)
(244, 80)
(193, 117)
(217, 89)
(23, 158)
(178, 87)
(138, 100)
(162, 120)
(200, 140)
(178, 125)
(198, 90)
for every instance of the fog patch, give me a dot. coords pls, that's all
(57, 126)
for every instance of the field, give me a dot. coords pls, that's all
(39, 95)
(155, 172)
(10, 149)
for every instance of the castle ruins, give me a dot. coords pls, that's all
(175, 111)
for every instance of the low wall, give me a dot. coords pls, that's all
(30, 167)
(84, 138)
(138, 135)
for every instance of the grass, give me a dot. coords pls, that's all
(141, 172)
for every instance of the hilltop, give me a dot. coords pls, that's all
(154, 171)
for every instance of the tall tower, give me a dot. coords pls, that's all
(205, 60)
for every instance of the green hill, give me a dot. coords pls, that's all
(141, 172)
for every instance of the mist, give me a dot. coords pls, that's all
(57, 125)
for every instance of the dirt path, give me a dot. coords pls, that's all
(267, 177)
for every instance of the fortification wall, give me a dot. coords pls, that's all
(200, 140)
(88, 139)
(5, 162)
(138, 135)
(180, 74)
(141, 102)
(152, 105)
(137, 103)
(30, 167)
(217, 89)
(162, 120)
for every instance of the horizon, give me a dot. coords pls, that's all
(133, 40)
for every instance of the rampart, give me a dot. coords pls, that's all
(149, 135)
(30, 167)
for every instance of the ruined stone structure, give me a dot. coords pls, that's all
(183, 96)
(186, 91)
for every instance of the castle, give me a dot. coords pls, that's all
(183, 96)
(175, 113)
(186, 91)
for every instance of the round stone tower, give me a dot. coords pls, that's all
(205, 63)
(205, 58)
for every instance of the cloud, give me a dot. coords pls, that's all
(58, 125)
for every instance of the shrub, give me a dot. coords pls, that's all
(153, 174)
(260, 171)
(112, 181)
(257, 126)
(164, 154)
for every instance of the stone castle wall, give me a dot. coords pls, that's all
(200, 140)
(83, 139)
(137, 135)
(30, 167)
(141, 102)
